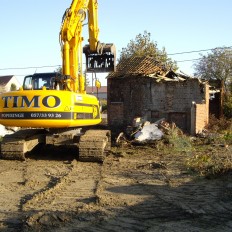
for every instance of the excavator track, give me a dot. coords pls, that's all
(67, 193)
(94, 145)
(15, 146)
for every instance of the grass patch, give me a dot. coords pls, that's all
(210, 164)
(179, 141)
(212, 154)
(209, 155)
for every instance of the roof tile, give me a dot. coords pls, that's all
(144, 65)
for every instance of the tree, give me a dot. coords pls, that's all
(143, 45)
(13, 87)
(216, 65)
(59, 70)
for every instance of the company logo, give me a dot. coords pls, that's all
(49, 101)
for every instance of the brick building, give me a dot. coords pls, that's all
(142, 88)
(100, 93)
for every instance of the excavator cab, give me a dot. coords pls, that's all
(38, 81)
(102, 60)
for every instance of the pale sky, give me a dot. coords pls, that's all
(30, 29)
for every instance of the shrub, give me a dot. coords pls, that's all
(227, 106)
(175, 137)
(104, 105)
(220, 125)
(210, 164)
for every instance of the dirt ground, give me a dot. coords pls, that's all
(135, 189)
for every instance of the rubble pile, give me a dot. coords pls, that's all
(142, 132)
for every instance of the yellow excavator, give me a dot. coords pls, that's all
(58, 101)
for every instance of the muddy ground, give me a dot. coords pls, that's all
(137, 188)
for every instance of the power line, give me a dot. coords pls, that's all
(187, 60)
(171, 54)
(203, 50)
(48, 66)
(198, 58)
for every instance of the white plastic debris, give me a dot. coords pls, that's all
(149, 132)
(4, 131)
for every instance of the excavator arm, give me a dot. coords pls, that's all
(99, 57)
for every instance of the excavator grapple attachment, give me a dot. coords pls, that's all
(102, 60)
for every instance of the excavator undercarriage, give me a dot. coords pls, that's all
(93, 144)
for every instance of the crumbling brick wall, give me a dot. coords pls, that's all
(152, 100)
(201, 119)
(200, 114)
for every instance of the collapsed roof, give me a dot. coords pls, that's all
(146, 66)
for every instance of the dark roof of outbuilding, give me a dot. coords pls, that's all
(144, 65)
(5, 79)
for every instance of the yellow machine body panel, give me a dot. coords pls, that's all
(48, 109)
(59, 100)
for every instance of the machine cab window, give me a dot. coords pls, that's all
(27, 83)
(38, 81)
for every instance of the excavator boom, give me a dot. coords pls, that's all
(100, 57)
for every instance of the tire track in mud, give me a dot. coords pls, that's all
(130, 193)
(143, 194)
(44, 192)
(11, 182)
(64, 195)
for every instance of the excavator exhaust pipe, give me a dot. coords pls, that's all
(102, 60)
